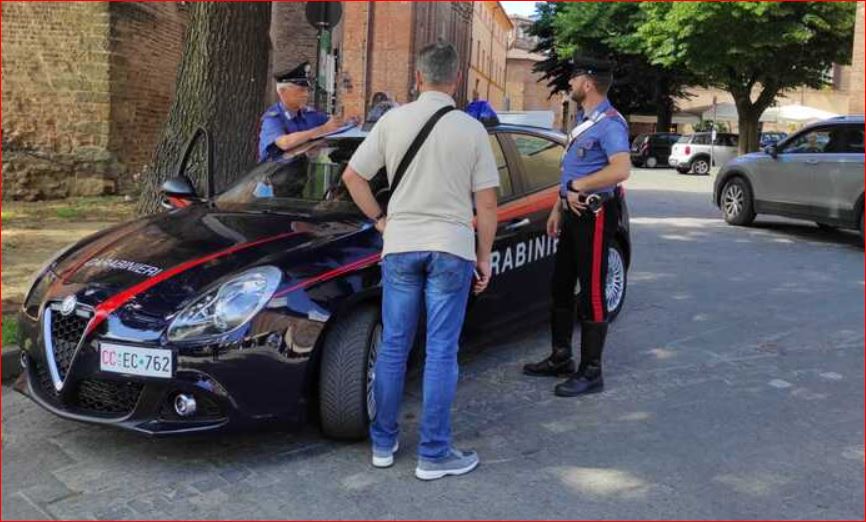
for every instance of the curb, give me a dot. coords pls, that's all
(11, 363)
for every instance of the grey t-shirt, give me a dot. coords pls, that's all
(431, 209)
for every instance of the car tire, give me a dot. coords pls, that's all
(651, 162)
(617, 279)
(345, 384)
(683, 170)
(701, 167)
(737, 203)
(860, 228)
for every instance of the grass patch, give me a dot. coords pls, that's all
(68, 212)
(39, 213)
(10, 330)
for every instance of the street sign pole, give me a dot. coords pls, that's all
(323, 16)
(713, 134)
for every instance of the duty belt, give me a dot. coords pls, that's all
(594, 202)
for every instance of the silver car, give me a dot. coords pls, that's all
(816, 174)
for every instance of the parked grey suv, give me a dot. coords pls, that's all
(816, 174)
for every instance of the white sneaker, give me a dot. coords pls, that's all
(385, 458)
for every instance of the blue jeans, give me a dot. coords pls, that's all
(440, 282)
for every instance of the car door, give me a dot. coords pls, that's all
(841, 167)
(497, 302)
(726, 148)
(538, 158)
(797, 180)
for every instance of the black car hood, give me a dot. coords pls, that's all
(191, 248)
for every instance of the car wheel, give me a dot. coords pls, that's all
(737, 204)
(346, 401)
(651, 162)
(861, 227)
(701, 167)
(683, 170)
(617, 281)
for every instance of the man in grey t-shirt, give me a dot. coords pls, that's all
(429, 253)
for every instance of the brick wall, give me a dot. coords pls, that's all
(527, 94)
(352, 84)
(146, 43)
(392, 43)
(855, 104)
(56, 99)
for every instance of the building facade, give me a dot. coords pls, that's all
(380, 41)
(487, 72)
(524, 88)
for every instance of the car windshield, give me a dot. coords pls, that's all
(306, 180)
(685, 139)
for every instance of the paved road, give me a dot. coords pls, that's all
(735, 390)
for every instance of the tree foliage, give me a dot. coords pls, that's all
(753, 50)
(606, 29)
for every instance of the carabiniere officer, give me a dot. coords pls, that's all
(585, 218)
(290, 122)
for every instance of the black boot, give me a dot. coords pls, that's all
(588, 377)
(559, 363)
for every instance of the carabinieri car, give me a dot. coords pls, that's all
(261, 305)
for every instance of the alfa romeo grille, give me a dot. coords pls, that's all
(66, 332)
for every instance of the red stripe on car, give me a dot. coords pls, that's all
(114, 302)
(331, 274)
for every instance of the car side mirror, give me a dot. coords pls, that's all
(178, 193)
(772, 150)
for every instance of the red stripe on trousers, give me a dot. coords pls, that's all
(597, 244)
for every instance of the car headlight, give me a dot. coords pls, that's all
(226, 307)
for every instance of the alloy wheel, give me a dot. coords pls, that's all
(701, 167)
(733, 200)
(615, 284)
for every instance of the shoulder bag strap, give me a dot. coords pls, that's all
(416, 145)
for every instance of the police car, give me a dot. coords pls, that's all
(261, 305)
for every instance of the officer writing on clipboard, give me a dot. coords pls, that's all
(290, 122)
(585, 218)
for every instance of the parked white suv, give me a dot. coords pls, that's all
(695, 153)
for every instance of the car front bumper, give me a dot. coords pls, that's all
(234, 385)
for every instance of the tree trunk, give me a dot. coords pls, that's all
(749, 133)
(221, 86)
(749, 114)
(664, 105)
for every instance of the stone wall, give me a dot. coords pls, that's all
(56, 100)
(146, 46)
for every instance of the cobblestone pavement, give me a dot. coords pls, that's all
(734, 390)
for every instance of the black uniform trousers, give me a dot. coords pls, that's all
(581, 255)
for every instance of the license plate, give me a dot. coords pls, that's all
(147, 362)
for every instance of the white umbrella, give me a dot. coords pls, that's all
(796, 114)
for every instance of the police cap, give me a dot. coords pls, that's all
(590, 66)
(300, 75)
